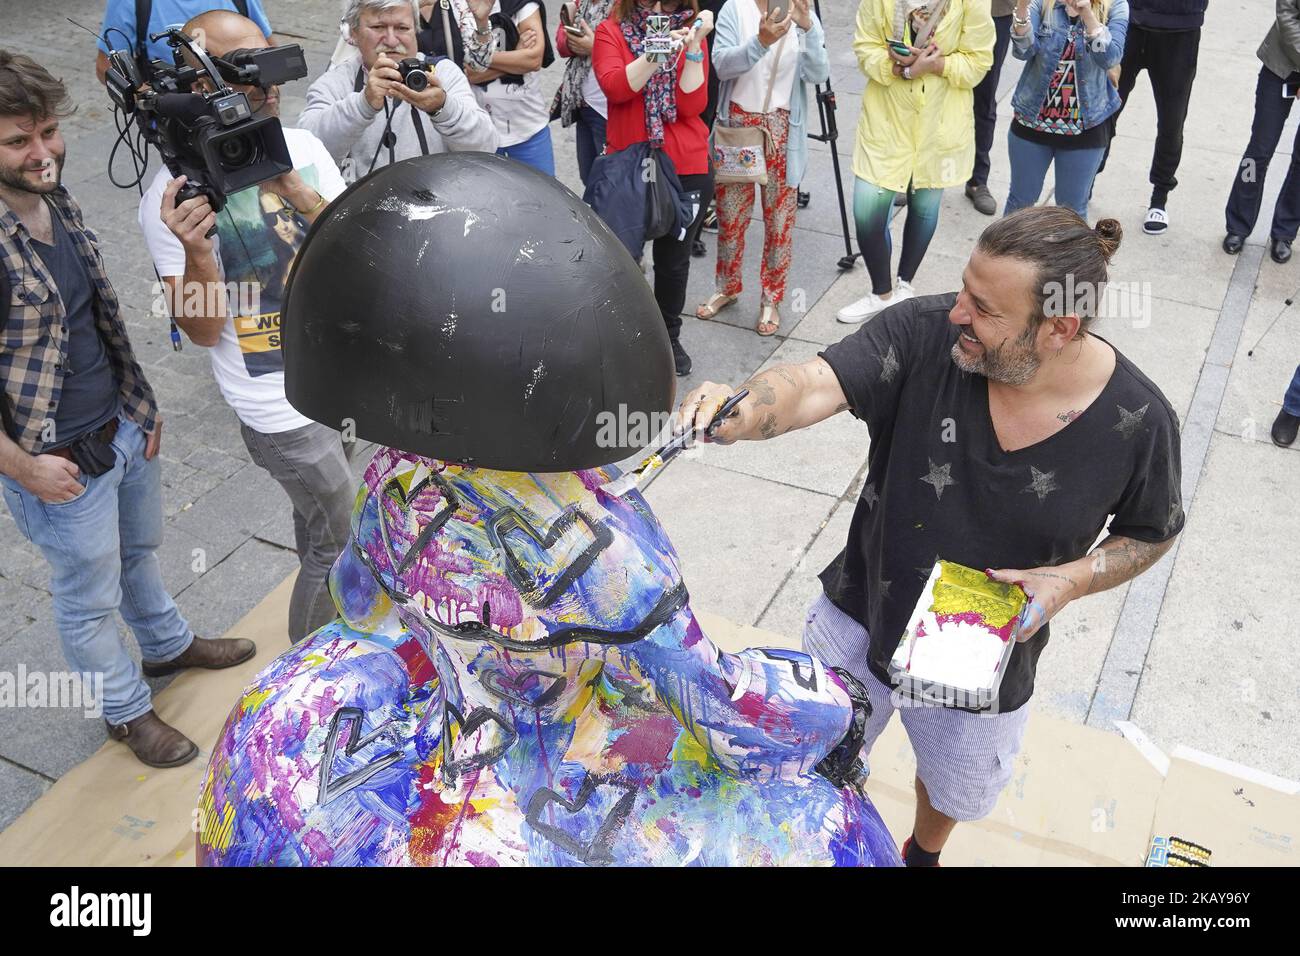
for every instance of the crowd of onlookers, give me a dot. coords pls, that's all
(81, 426)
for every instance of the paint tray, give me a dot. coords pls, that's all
(958, 643)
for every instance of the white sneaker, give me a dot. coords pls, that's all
(902, 291)
(864, 308)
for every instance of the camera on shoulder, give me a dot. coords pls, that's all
(214, 138)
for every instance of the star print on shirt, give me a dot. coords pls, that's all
(884, 587)
(940, 476)
(889, 365)
(1130, 422)
(870, 496)
(1044, 483)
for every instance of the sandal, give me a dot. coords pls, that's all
(769, 320)
(716, 303)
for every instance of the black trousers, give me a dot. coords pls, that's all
(1271, 111)
(986, 102)
(1169, 57)
(672, 258)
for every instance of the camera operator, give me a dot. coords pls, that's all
(368, 117)
(79, 451)
(242, 328)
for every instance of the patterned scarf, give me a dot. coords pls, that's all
(568, 98)
(661, 90)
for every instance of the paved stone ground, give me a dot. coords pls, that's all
(1199, 651)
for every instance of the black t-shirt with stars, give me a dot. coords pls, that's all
(940, 486)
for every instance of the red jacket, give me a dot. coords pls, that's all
(686, 142)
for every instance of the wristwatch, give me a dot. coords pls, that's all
(907, 72)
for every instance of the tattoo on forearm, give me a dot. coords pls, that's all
(767, 427)
(787, 376)
(1120, 559)
(761, 390)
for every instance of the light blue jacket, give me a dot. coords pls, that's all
(1041, 48)
(733, 57)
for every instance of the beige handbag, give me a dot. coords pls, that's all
(740, 152)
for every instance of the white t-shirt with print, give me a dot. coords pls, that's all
(519, 110)
(253, 259)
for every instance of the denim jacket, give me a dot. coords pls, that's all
(1041, 48)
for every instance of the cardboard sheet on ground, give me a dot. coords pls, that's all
(1078, 797)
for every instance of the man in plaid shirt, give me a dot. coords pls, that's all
(78, 452)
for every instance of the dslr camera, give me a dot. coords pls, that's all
(415, 73)
(215, 139)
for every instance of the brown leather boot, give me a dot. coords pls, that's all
(156, 743)
(213, 655)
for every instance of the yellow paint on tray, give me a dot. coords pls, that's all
(962, 590)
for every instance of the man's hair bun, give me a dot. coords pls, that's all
(1109, 233)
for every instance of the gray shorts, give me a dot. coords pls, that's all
(964, 759)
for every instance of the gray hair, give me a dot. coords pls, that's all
(352, 9)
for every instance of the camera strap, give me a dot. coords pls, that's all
(144, 13)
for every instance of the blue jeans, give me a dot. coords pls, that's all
(589, 129)
(1075, 171)
(1291, 403)
(101, 550)
(535, 151)
(872, 212)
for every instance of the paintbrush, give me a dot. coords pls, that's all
(648, 467)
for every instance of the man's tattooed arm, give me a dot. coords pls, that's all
(1119, 559)
(787, 397)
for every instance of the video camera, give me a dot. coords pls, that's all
(214, 139)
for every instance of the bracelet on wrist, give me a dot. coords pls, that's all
(696, 57)
(320, 201)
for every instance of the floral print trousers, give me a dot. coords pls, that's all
(735, 202)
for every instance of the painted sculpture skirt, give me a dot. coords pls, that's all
(517, 678)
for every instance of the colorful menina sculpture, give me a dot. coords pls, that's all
(516, 676)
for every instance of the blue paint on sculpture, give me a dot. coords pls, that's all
(516, 677)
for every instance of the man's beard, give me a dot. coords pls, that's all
(1014, 362)
(16, 178)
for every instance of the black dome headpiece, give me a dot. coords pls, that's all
(467, 307)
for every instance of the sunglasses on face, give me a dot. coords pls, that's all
(278, 216)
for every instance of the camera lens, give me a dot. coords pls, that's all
(417, 80)
(237, 152)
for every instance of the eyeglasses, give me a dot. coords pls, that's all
(283, 214)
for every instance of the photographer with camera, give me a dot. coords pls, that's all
(657, 98)
(390, 106)
(79, 451)
(222, 294)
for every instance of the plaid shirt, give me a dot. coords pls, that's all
(35, 337)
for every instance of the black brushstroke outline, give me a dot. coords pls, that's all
(597, 852)
(508, 519)
(328, 788)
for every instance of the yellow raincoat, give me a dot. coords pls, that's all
(921, 130)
